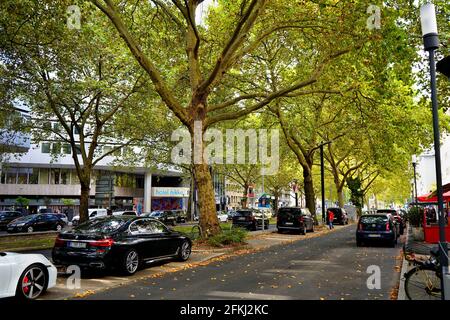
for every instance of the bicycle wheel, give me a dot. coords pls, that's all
(423, 283)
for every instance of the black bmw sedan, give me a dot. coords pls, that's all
(119, 242)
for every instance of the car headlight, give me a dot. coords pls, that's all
(20, 224)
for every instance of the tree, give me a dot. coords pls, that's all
(79, 79)
(215, 60)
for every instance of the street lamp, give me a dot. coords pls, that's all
(414, 164)
(431, 43)
(295, 189)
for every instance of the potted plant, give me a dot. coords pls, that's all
(415, 219)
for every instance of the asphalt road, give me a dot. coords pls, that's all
(326, 267)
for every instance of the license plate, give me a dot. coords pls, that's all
(375, 235)
(241, 218)
(77, 244)
(289, 223)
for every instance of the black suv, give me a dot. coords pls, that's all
(340, 216)
(181, 215)
(295, 219)
(249, 219)
(166, 216)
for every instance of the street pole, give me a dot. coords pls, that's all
(415, 183)
(322, 181)
(431, 43)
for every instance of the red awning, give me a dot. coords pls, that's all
(431, 197)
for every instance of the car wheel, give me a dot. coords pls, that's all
(30, 229)
(130, 262)
(174, 223)
(58, 227)
(312, 228)
(184, 251)
(32, 283)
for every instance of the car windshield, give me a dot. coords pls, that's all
(155, 214)
(289, 211)
(244, 213)
(374, 219)
(386, 211)
(107, 225)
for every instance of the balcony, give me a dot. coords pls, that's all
(42, 190)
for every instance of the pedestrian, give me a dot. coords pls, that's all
(330, 219)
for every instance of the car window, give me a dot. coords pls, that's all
(374, 219)
(142, 226)
(101, 225)
(244, 213)
(93, 214)
(289, 212)
(158, 227)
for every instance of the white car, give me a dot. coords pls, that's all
(25, 276)
(125, 213)
(222, 216)
(92, 213)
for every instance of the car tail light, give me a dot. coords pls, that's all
(102, 243)
(59, 242)
(360, 226)
(300, 219)
(388, 228)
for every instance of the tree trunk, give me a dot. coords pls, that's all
(245, 197)
(309, 190)
(340, 193)
(209, 222)
(84, 201)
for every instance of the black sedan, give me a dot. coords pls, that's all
(380, 228)
(249, 219)
(36, 222)
(119, 242)
(7, 216)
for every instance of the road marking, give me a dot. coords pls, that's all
(248, 295)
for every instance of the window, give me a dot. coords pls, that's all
(22, 175)
(33, 176)
(78, 148)
(56, 148)
(141, 226)
(75, 179)
(56, 127)
(3, 177)
(64, 176)
(106, 149)
(158, 227)
(66, 149)
(45, 147)
(54, 176)
(75, 130)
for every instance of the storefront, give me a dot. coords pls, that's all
(431, 217)
(169, 198)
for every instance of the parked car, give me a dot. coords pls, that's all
(248, 218)
(45, 210)
(393, 213)
(267, 212)
(222, 216)
(92, 214)
(295, 219)
(36, 222)
(166, 216)
(62, 216)
(181, 216)
(231, 214)
(119, 242)
(25, 276)
(376, 228)
(340, 216)
(8, 216)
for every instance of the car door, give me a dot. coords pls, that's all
(308, 218)
(144, 239)
(167, 240)
(39, 223)
(5, 274)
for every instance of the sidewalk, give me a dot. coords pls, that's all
(95, 282)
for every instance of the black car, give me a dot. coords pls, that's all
(166, 216)
(295, 219)
(119, 242)
(8, 216)
(379, 228)
(397, 220)
(249, 219)
(340, 215)
(36, 222)
(180, 215)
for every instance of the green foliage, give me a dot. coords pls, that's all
(23, 202)
(68, 202)
(228, 237)
(415, 216)
(354, 184)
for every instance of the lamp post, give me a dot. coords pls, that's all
(414, 164)
(431, 43)
(295, 187)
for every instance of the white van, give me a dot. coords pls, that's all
(92, 213)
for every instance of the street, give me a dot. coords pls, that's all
(325, 267)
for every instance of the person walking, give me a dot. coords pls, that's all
(330, 219)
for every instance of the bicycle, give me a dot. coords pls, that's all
(423, 282)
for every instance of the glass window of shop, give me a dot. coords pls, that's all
(54, 176)
(22, 175)
(65, 176)
(33, 175)
(11, 176)
(43, 176)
